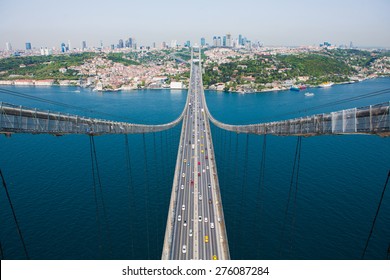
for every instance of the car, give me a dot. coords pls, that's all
(183, 207)
(188, 164)
(190, 234)
(211, 225)
(207, 157)
(207, 167)
(205, 219)
(206, 238)
(198, 162)
(183, 175)
(209, 186)
(200, 218)
(198, 173)
(185, 160)
(215, 257)
(185, 223)
(210, 201)
(184, 249)
(202, 151)
(200, 197)
(179, 218)
(203, 170)
(192, 182)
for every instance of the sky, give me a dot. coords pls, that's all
(48, 23)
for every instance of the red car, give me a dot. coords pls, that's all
(198, 173)
(198, 162)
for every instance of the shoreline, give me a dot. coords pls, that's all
(45, 83)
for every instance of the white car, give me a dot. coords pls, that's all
(190, 234)
(185, 223)
(200, 218)
(200, 197)
(204, 170)
(209, 186)
(183, 207)
(207, 167)
(183, 175)
(205, 219)
(184, 250)
(211, 225)
(179, 218)
(182, 187)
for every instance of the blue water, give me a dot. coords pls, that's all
(340, 180)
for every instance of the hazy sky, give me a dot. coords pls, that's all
(276, 22)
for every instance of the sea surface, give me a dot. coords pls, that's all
(323, 212)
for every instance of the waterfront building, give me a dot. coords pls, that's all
(28, 46)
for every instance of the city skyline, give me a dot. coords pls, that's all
(47, 24)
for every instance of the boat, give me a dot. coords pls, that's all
(294, 88)
(302, 87)
(326, 84)
(309, 94)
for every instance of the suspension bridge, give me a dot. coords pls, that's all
(195, 226)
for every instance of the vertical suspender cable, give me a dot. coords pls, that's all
(261, 187)
(14, 215)
(131, 194)
(243, 185)
(289, 194)
(146, 195)
(101, 195)
(235, 178)
(376, 215)
(1, 252)
(97, 214)
(157, 227)
(296, 192)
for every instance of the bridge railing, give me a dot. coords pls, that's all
(373, 119)
(18, 119)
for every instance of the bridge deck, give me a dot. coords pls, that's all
(195, 225)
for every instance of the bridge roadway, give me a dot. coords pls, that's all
(195, 226)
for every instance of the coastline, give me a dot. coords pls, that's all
(68, 83)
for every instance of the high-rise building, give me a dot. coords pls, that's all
(224, 41)
(69, 48)
(28, 46)
(8, 46)
(239, 39)
(120, 44)
(63, 47)
(187, 44)
(219, 43)
(84, 45)
(228, 40)
(173, 43)
(202, 41)
(214, 41)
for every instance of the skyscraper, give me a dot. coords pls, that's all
(63, 47)
(28, 46)
(228, 40)
(8, 46)
(240, 39)
(84, 45)
(202, 41)
(224, 41)
(219, 41)
(215, 41)
(120, 44)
